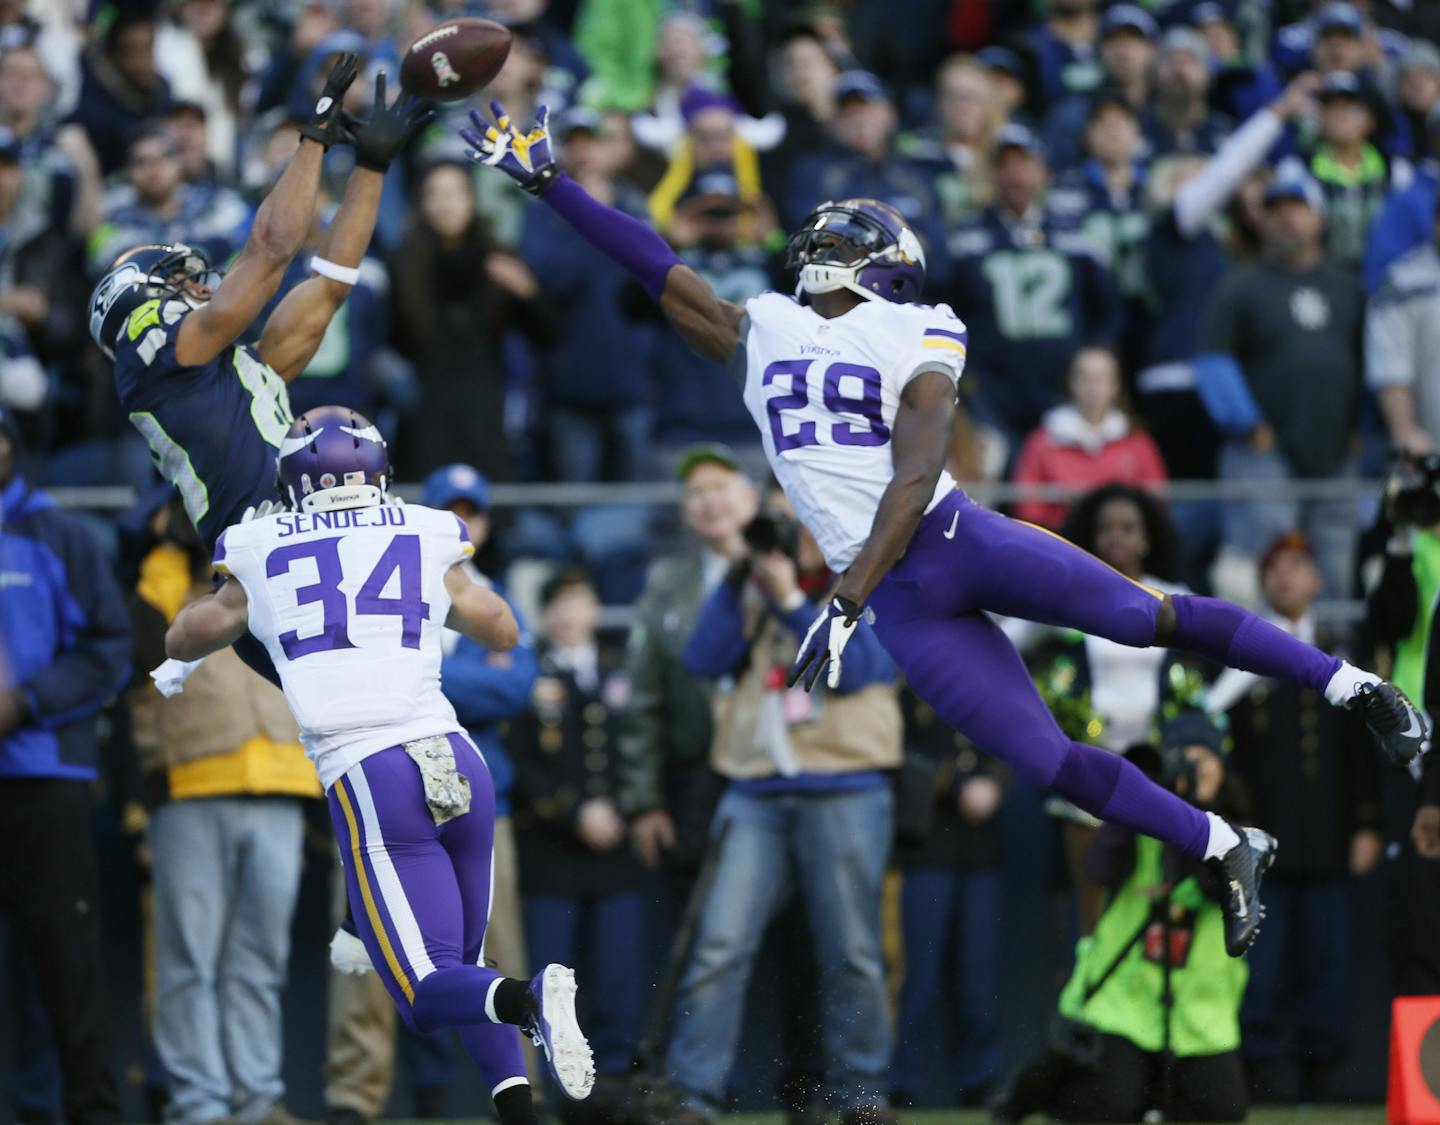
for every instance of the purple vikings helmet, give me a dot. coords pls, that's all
(332, 457)
(858, 244)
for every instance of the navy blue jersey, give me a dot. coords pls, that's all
(213, 429)
(1030, 294)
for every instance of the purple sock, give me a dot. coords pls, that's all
(625, 240)
(495, 1050)
(452, 997)
(1108, 786)
(1238, 639)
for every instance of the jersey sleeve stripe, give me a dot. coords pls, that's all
(960, 336)
(218, 561)
(950, 345)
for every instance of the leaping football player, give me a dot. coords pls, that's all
(852, 384)
(349, 595)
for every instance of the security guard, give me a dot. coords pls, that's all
(581, 882)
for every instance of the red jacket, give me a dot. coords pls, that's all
(1065, 449)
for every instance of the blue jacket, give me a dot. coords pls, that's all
(487, 688)
(1406, 220)
(64, 635)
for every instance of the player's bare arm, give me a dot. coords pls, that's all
(280, 228)
(479, 613)
(208, 624)
(296, 327)
(709, 325)
(920, 447)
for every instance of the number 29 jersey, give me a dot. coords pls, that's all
(825, 391)
(350, 605)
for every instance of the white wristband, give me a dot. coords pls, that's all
(343, 274)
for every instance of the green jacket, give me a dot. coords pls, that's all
(666, 725)
(1207, 984)
(617, 38)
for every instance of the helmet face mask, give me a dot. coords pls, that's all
(861, 245)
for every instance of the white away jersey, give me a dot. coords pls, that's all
(350, 605)
(824, 393)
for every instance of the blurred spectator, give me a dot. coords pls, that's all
(1407, 218)
(1105, 196)
(60, 154)
(156, 206)
(865, 165)
(207, 63)
(1350, 170)
(223, 771)
(640, 58)
(455, 296)
(64, 653)
(23, 383)
(313, 21)
(1149, 1018)
(1416, 94)
(806, 808)
(1243, 82)
(518, 87)
(1088, 441)
(1007, 81)
(1292, 323)
(596, 380)
(1181, 119)
(1127, 56)
(1401, 341)
(189, 133)
(667, 788)
(951, 899)
(1337, 36)
(806, 99)
(1314, 780)
(120, 86)
(1204, 215)
(1030, 289)
(582, 884)
(1060, 52)
(968, 114)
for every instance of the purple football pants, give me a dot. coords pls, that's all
(964, 559)
(420, 897)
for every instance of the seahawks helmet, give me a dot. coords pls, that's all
(332, 457)
(858, 244)
(141, 275)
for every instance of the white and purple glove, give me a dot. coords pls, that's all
(524, 157)
(825, 641)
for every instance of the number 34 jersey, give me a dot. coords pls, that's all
(824, 392)
(350, 605)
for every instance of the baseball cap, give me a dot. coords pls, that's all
(577, 118)
(1207, 13)
(1298, 187)
(1286, 541)
(456, 482)
(860, 84)
(1192, 728)
(706, 453)
(1001, 58)
(1339, 84)
(1339, 16)
(1014, 135)
(1128, 17)
(1422, 55)
(1181, 38)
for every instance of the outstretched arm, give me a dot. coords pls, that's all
(709, 325)
(479, 613)
(296, 328)
(280, 228)
(208, 624)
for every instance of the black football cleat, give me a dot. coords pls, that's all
(1240, 871)
(1397, 725)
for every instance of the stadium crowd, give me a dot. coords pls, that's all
(1192, 241)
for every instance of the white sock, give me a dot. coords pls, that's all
(490, 1000)
(1222, 837)
(1341, 688)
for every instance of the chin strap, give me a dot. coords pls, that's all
(827, 279)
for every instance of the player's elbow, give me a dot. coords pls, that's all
(505, 634)
(178, 645)
(273, 243)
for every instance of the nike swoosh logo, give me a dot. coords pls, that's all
(1414, 729)
(1242, 908)
(954, 522)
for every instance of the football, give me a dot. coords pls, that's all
(454, 59)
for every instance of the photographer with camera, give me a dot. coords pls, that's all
(807, 806)
(1150, 1018)
(1403, 608)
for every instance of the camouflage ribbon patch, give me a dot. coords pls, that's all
(447, 791)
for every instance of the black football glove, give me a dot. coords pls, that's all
(390, 128)
(327, 127)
